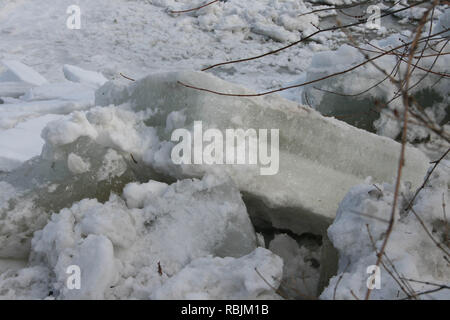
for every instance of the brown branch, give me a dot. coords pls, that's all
(128, 78)
(194, 9)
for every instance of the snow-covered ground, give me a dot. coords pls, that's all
(85, 177)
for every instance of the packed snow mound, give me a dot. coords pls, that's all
(130, 246)
(317, 162)
(411, 253)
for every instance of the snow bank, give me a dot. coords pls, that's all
(317, 154)
(410, 249)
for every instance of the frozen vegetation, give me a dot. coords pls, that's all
(87, 176)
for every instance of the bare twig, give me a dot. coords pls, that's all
(128, 78)
(194, 9)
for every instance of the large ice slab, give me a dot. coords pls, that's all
(320, 158)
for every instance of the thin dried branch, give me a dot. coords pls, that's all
(128, 78)
(194, 9)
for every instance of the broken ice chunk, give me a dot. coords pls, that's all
(18, 72)
(76, 74)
